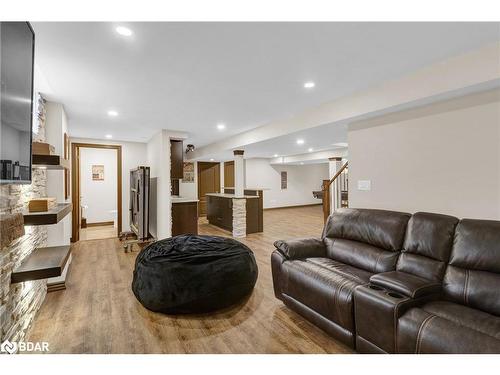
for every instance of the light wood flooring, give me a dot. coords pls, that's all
(98, 312)
(98, 232)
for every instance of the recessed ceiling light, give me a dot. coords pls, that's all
(301, 163)
(112, 113)
(109, 136)
(122, 30)
(275, 155)
(300, 141)
(310, 149)
(221, 126)
(309, 85)
(211, 159)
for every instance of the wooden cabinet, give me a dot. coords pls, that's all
(220, 213)
(176, 159)
(184, 218)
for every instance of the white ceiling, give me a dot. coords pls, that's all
(191, 76)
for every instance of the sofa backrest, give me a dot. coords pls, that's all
(365, 238)
(472, 276)
(427, 245)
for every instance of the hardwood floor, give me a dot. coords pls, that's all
(98, 312)
(98, 233)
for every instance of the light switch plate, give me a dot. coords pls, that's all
(364, 185)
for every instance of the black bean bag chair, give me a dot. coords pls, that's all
(193, 274)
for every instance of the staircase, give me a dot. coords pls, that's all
(335, 191)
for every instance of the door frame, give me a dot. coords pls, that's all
(75, 184)
(198, 173)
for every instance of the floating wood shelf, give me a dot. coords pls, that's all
(52, 216)
(49, 162)
(42, 263)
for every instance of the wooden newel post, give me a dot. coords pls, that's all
(326, 199)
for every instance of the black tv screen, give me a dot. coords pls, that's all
(17, 42)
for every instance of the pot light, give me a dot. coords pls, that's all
(275, 155)
(301, 163)
(112, 113)
(300, 141)
(109, 136)
(309, 85)
(310, 149)
(221, 126)
(122, 30)
(211, 159)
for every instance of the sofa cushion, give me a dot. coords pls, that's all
(380, 228)
(474, 266)
(427, 245)
(447, 327)
(365, 238)
(324, 285)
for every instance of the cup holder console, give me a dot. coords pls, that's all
(387, 292)
(395, 295)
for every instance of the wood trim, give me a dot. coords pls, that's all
(100, 224)
(75, 181)
(296, 206)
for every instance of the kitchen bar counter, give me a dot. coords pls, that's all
(220, 209)
(232, 196)
(183, 200)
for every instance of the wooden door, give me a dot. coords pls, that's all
(229, 174)
(208, 182)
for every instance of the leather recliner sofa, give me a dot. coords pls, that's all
(466, 317)
(382, 282)
(317, 277)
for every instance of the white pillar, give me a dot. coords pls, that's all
(334, 165)
(239, 173)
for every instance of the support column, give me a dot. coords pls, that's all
(239, 217)
(239, 203)
(239, 173)
(334, 165)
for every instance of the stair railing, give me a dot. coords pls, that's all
(336, 196)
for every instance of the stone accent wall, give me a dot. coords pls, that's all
(20, 302)
(239, 217)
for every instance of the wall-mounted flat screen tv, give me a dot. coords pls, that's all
(17, 42)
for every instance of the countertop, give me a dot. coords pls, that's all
(222, 195)
(247, 188)
(183, 200)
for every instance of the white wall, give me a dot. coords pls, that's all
(158, 159)
(99, 196)
(56, 124)
(133, 155)
(302, 180)
(444, 158)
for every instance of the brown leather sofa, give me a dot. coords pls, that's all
(416, 280)
(317, 277)
(466, 317)
(383, 284)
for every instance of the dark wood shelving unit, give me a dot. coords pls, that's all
(52, 216)
(49, 162)
(42, 263)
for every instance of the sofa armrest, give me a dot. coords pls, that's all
(405, 283)
(301, 248)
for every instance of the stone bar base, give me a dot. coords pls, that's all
(239, 218)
